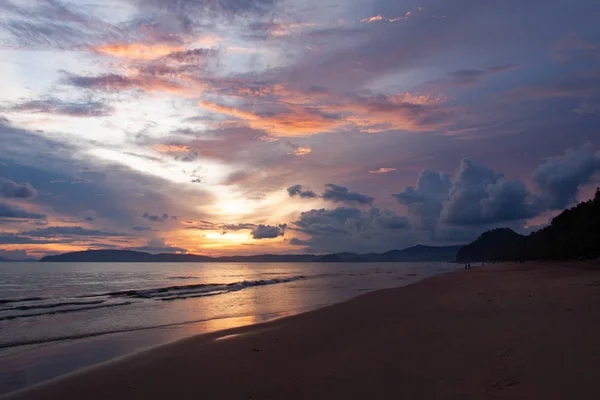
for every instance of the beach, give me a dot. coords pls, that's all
(506, 331)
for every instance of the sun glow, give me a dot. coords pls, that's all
(228, 236)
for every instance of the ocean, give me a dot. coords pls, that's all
(58, 317)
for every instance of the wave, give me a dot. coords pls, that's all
(52, 305)
(39, 306)
(196, 290)
(62, 311)
(18, 300)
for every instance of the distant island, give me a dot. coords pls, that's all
(572, 235)
(2, 259)
(417, 253)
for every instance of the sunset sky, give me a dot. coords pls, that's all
(224, 127)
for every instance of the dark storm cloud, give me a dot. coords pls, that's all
(268, 231)
(409, 196)
(155, 218)
(479, 198)
(479, 195)
(352, 229)
(559, 179)
(12, 189)
(12, 211)
(341, 194)
(297, 190)
(60, 107)
(424, 203)
(59, 231)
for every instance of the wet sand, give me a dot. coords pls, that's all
(511, 331)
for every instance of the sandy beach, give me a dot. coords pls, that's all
(508, 331)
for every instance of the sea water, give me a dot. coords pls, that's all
(57, 317)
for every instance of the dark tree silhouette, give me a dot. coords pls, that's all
(574, 234)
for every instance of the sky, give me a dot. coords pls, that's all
(223, 127)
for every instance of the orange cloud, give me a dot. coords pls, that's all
(295, 121)
(170, 148)
(403, 111)
(395, 19)
(301, 151)
(372, 19)
(380, 113)
(382, 170)
(138, 51)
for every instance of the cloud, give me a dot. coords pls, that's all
(341, 194)
(11, 211)
(11, 238)
(476, 196)
(424, 203)
(379, 17)
(118, 83)
(382, 170)
(352, 229)
(12, 189)
(297, 190)
(466, 77)
(200, 225)
(481, 196)
(155, 218)
(223, 7)
(372, 19)
(59, 107)
(559, 179)
(159, 246)
(268, 231)
(299, 242)
(108, 82)
(14, 254)
(48, 24)
(59, 231)
(141, 228)
(294, 120)
(138, 51)
(257, 231)
(236, 227)
(300, 151)
(192, 56)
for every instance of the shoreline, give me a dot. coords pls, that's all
(325, 347)
(84, 340)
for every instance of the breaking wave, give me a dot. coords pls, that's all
(39, 306)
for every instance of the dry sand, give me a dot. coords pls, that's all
(513, 331)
